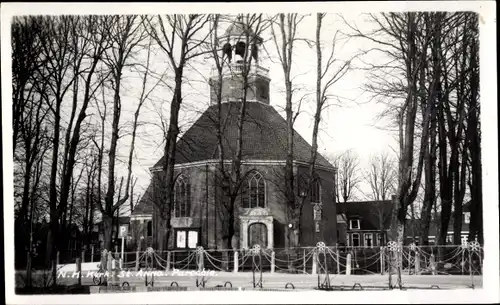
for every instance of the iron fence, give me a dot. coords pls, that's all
(451, 259)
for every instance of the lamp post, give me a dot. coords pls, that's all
(140, 243)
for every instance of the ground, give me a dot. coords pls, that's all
(244, 280)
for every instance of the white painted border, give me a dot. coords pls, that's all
(489, 292)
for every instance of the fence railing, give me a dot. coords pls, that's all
(394, 266)
(337, 260)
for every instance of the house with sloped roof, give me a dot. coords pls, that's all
(199, 215)
(413, 225)
(363, 223)
(367, 224)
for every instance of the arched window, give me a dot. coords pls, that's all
(182, 198)
(254, 191)
(316, 191)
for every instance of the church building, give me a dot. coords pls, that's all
(199, 214)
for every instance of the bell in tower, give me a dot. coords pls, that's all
(227, 50)
(240, 49)
(241, 43)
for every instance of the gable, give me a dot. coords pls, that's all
(370, 213)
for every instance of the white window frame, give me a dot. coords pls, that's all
(359, 240)
(186, 232)
(464, 239)
(467, 217)
(317, 227)
(351, 221)
(365, 239)
(257, 177)
(186, 198)
(317, 184)
(177, 233)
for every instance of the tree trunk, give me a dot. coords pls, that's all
(474, 147)
(162, 242)
(107, 223)
(430, 181)
(54, 217)
(110, 194)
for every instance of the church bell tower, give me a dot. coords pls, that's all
(235, 49)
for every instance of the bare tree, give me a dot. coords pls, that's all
(349, 177)
(473, 143)
(382, 179)
(56, 48)
(230, 177)
(287, 26)
(72, 47)
(176, 36)
(88, 47)
(127, 32)
(26, 60)
(327, 75)
(381, 176)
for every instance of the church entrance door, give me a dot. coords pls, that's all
(257, 235)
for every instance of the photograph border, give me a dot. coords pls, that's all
(488, 100)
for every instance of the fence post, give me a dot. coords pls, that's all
(408, 260)
(272, 261)
(79, 270)
(235, 262)
(114, 271)
(83, 256)
(432, 263)
(462, 264)
(338, 260)
(417, 263)
(58, 258)
(168, 261)
(470, 269)
(200, 261)
(110, 261)
(382, 261)
(137, 260)
(348, 264)
(314, 263)
(304, 260)
(103, 261)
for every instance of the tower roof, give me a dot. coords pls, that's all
(240, 29)
(264, 136)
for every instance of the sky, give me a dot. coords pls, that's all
(348, 124)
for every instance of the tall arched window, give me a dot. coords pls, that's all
(254, 191)
(182, 198)
(316, 191)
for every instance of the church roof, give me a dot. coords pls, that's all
(264, 136)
